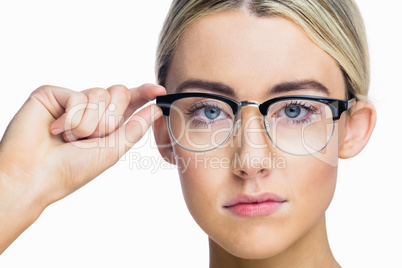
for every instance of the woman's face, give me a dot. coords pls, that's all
(253, 55)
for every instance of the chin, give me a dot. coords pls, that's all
(254, 251)
(252, 244)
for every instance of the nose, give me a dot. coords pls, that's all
(253, 154)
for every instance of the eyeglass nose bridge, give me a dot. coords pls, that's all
(249, 103)
(238, 121)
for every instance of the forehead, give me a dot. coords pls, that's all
(251, 55)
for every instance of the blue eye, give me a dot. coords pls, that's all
(296, 112)
(212, 112)
(209, 112)
(292, 111)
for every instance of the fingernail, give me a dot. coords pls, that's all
(56, 131)
(148, 85)
(161, 88)
(157, 114)
(68, 136)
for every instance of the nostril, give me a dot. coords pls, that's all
(263, 172)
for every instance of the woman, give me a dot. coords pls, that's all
(267, 175)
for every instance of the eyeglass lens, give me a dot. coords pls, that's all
(295, 126)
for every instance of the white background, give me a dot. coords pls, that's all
(133, 217)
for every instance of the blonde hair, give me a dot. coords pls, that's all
(336, 26)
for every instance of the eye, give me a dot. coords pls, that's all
(293, 111)
(208, 112)
(212, 112)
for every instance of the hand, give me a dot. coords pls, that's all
(62, 139)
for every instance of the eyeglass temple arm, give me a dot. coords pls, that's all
(343, 106)
(165, 107)
(350, 103)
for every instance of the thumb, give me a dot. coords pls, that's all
(119, 142)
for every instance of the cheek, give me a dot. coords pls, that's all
(201, 182)
(312, 185)
(312, 181)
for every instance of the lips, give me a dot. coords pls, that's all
(249, 206)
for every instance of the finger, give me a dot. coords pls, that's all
(73, 104)
(141, 95)
(113, 117)
(59, 102)
(98, 101)
(127, 135)
(36, 117)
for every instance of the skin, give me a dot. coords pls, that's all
(251, 55)
(51, 148)
(44, 156)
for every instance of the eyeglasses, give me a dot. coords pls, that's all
(297, 125)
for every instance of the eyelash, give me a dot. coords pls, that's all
(198, 106)
(310, 109)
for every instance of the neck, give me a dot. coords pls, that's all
(311, 250)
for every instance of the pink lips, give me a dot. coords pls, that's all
(249, 206)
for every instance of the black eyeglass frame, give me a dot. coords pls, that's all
(337, 106)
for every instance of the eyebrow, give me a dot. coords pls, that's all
(217, 87)
(299, 85)
(214, 87)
